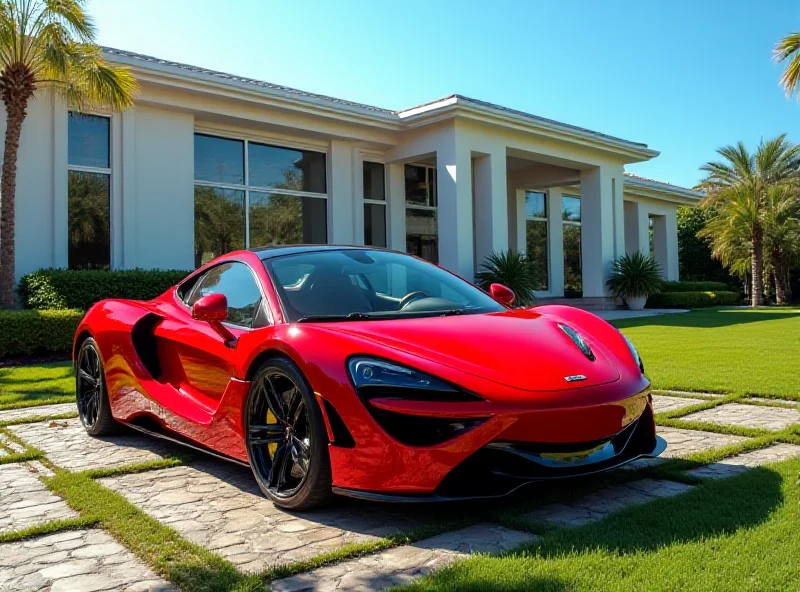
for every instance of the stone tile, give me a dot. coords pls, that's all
(67, 444)
(664, 403)
(682, 443)
(398, 566)
(9, 445)
(748, 416)
(25, 501)
(40, 411)
(740, 463)
(597, 506)
(85, 560)
(218, 505)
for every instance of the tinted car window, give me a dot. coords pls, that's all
(236, 282)
(379, 284)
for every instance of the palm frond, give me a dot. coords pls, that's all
(788, 48)
(512, 269)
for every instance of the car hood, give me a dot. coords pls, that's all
(522, 349)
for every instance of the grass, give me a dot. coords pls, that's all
(39, 384)
(731, 534)
(721, 350)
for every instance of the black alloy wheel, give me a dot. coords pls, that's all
(90, 391)
(286, 438)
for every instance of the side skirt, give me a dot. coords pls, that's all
(176, 439)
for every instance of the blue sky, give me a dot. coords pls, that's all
(682, 76)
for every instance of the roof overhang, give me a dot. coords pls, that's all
(465, 107)
(191, 78)
(661, 191)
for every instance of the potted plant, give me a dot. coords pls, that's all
(513, 270)
(635, 277)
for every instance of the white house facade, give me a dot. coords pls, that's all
(207, 162)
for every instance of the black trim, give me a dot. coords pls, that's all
(657, 450)
(342, 437)
(144, 343)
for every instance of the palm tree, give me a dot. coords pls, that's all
(47, 45)
(738, 189)
(782, 239)
(789, 48)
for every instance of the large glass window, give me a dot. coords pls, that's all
(250, 194)
(89, 191)
(374, 204)
(571, 217)
(422, 234)
(536, 236)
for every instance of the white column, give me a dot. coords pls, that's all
(637, 228)
(555, 243)
(357, 170)
(454, 183)
(127, 186)
(491, 205)
(660, 244)
(341, 194)
(672, 268)
(617, 184)
(597, 234)
(60, 186)
(396, 206)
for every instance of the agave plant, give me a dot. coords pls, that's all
(635, 277)
(512, 269)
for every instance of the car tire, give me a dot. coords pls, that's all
(91, 393)
(300, 449)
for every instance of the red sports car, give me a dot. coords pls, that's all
(365, 372)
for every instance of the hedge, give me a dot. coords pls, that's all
(696, 287)
(63, 289)
(695, 299)
(28, 332)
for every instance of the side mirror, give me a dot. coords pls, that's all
(211, 308)
(502, 294)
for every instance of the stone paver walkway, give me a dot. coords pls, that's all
(687, 393)
(41, 411)
(25, 501)
(75, 560)
(682, 443)
(67, 444)
(766, 400)
(664, 403)
(740, 463)
(400, 565)
(220, 507)
(597, 506)
(748, 416)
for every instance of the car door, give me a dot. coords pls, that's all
(197, 361)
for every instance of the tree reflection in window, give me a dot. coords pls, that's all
(89, 220)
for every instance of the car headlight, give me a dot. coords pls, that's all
(635, 354)
(374, 377)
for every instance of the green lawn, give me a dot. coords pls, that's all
(42, 384)
(731, 534)
(731, 350)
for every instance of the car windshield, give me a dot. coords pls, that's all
(356, 284)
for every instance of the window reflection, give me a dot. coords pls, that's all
(286, 219)
(284, 168)
(88, 143)
(89, 220)
(218, 222)
(219, 160)
(422, 237)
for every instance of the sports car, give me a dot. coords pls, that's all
(368, 373)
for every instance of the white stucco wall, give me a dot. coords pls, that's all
(158, 189)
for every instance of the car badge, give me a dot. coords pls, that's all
(575, 378)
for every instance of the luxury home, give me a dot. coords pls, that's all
(207, 162)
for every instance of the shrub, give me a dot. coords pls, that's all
(70, 289)
(695, 299)
(27, 332)
(512, 269)
(635, 275)
(697, 287)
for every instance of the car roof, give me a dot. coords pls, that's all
(270, 252)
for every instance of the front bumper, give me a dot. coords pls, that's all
(501, 468)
